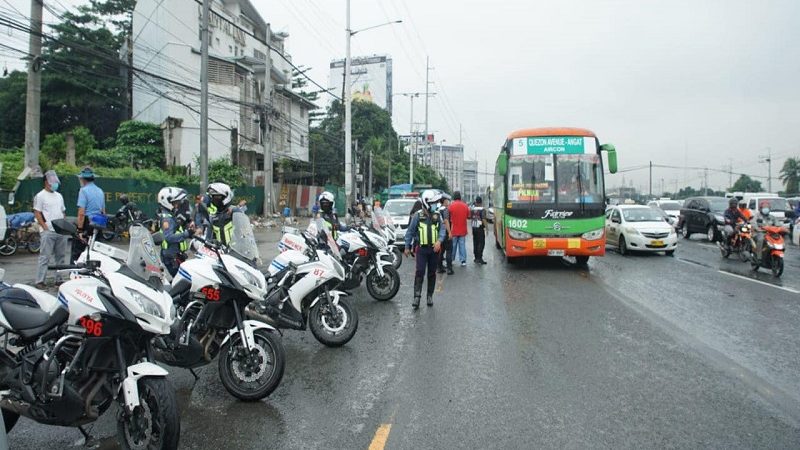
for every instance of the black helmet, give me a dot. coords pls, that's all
(123, 199)
(733, 202)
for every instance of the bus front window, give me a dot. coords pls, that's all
(531, 179)
(579, 178)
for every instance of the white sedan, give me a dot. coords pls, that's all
(639, 228)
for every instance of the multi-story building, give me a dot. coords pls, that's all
(166, 84)
(471, 189)
(447, 160)
(370, 79)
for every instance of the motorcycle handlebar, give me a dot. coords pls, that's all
(64, 267)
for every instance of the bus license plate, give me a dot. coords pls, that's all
(555, 253)
(657, 243)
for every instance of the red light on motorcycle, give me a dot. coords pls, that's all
(362, 252)
(211, 293)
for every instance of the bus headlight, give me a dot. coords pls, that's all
(593, 235)
(519, 235)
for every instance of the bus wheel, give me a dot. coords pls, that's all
(511, 261)
(581, 260)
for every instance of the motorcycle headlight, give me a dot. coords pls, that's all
(593, 235)
(147, 305)
(519, 235)
(251, 279)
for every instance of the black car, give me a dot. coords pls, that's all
(702, 215)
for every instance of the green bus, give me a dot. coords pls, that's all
(549, 194)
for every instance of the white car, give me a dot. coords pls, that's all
(400, 210)
(672, 208)
(639, 228)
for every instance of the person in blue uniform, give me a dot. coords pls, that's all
(425, 234)
(175, 226)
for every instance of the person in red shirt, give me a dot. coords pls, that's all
(459, 213)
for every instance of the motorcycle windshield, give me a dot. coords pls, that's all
(320, 229)
(144, 258)
(243, 241)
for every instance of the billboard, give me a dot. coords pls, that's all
(370, 79)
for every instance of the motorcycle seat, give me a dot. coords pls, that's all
(24, 315)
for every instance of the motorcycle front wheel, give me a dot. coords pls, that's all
(744, 250)
(397, 254)
(155, 423)
(8, 247)
(777, 266)
(333, 325)
(34, 244)
(252, 376)
(384, 287)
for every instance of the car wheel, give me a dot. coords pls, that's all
(711, 233)
(623, 246)
(685, 230)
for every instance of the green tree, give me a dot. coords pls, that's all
(746, 184)
(142, 142)
(54, 147)
(12, 109)
(790, 175)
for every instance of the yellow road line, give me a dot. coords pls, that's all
(381, 435)
(440, 283)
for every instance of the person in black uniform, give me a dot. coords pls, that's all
(426, 233)
(478, 222)
(446, 255)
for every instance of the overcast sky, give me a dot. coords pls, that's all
(678, 82)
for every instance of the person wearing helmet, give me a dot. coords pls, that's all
(327, 211)
(764, 218)
(221, 211)
(748, 215)
(175, 227)
(446, 255)
(479, 227)
(425, 234)
(732, 218)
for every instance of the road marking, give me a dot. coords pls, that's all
(381, 435)
(716, 247)
(787, 289)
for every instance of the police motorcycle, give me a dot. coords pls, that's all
(128, 214)
(67, 359)
(304, 279)
(211, 293)
(384, 224)
(366, 253)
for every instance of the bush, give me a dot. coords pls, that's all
(142, 142)
(13, 161)
(54, 147)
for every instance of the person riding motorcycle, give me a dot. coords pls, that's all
(221, 211)
(763, 219)
(748, 215)
(732, 217)
(174, 227)
(327, 212)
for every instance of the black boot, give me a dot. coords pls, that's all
(417, 292)
(431, 288)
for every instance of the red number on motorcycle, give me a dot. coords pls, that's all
(318, 272)
(211, 293)
(92, 327)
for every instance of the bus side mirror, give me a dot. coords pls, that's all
(611, 151)
(502, 164)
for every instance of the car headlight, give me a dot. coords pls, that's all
(593, 235)
(251, 279)
(147, 305)
(672, 231)
(719, 218)
(519, 235)
(632, 230)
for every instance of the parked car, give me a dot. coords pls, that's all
(400, 209)
(702, 215)
(639, 228)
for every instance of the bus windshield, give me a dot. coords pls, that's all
(570, 178)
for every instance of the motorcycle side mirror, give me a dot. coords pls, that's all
(64, 227)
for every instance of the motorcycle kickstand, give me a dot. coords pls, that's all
(89, 441)
(194, 374)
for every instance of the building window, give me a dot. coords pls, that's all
(217, 39)
(302, 140)
(236, 50)
(303, 113)
(230, 49)
(220, 72)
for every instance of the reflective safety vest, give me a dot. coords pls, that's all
(211, 209)
(224, 234)
(428, 233)
(184, 245)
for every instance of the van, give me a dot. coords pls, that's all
(777, 205)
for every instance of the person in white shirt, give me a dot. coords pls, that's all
(48, 205)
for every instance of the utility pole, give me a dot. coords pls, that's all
(34, 93)
(369, 186)
(269, 204)
(412, 144)
(730, 172)
(427, 96)
(705, 178)
(204, 99)
(768, 159)
(348, 132)
(651, 179)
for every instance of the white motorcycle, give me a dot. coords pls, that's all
(212, 292)
(67, 359)
(366, 254)
(384, 224)
(303, 290)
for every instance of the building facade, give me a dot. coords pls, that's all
(166, 84)
(370, 79)
(447, 160)
(471, 189)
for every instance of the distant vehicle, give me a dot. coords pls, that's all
(777, 205)
(673, 221)
(549, 194)
(400, 209)
(702, 215)
(670, 207)
(639, 228)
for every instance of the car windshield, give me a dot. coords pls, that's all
(399, 207)
(555, 179)
(642, 215)
(775, 204)
(243, 241)
(670, 206)
(144, 259)
(718, 204)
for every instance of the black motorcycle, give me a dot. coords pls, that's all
(127, 215)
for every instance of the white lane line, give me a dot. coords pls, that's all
(794, 291)
(709, 246)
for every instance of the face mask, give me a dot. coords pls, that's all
(55, 186)
(765, 211)
(433, 208)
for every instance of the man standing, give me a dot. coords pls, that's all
(478, 222)
(446, 255)
(91, 201)
(48, 205)
(425, 234)
(459, 212)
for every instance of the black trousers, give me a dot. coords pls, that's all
(446, 255)
(478, 242)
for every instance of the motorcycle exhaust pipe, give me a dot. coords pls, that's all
(251, 313)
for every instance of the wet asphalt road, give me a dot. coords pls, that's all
(637, 351)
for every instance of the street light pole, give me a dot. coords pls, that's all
(204, 97)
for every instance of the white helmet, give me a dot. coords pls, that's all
(168, 195)
(223, 190)
(327, 197)
(429, 197)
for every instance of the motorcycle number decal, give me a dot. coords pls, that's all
(93, 328)
(319, 272)
(211, 293)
